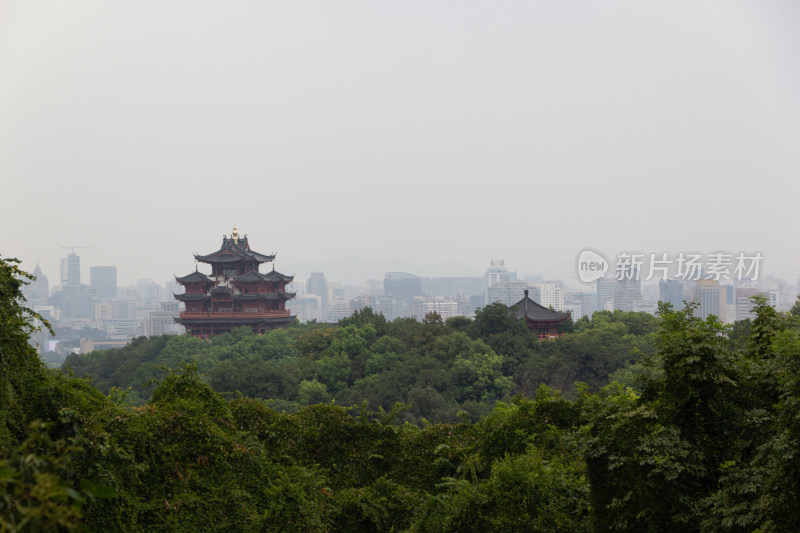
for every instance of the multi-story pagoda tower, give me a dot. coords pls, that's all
(235, 294)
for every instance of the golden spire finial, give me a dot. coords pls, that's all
(235, 234)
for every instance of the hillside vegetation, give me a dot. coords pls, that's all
(438, 369)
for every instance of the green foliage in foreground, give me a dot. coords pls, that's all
(707, 441)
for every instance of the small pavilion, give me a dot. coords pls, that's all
(541, 321)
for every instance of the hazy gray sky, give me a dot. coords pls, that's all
(433, 131)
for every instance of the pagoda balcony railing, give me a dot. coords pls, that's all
(239, 314)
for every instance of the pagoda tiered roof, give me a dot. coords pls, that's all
(234, 249)
(265, 296)
(189, 297)
(277, 276)
(194, 277)
(254, 276)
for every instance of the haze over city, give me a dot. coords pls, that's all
(429, 132)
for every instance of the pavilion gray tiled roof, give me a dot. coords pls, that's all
(527, 308)
(194, 277)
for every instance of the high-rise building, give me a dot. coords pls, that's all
(588, 304)
(730, 296)
(103, 280)
(123, 309)
(74, 301)
(402, 286)
(506, 292)
(606, 288)
(317, 285)
(162, 321)
(71, 269)
(498, 273)
(744, 303)
(148, 291)
(339, 304)
(574, 305)
(671, 291)
(451, 286)
(711, 298)
(444, 307)
(307, 308)
(628, 293)
(779, 293)
(551, 296)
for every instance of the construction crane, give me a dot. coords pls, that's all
(74, 247)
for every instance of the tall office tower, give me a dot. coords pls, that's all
(339, 304)
(628, 292)
(744, 303)
(103, 280)
(605, 293)
(506, 292)
(149, 291)
(551, 296)
(402, 286)
(317, 285)
(671, 291)
(712, 299)
(498, 272)
(71, 269)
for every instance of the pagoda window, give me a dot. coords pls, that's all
(229, 272)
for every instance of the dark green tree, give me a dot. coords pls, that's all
(19, 363)
(366, 316)
(494, 319)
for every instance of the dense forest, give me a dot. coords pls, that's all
(668, 423)
(439, 369)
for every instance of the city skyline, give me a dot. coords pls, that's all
(103, 280)
(102, 314)
(359, 272)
